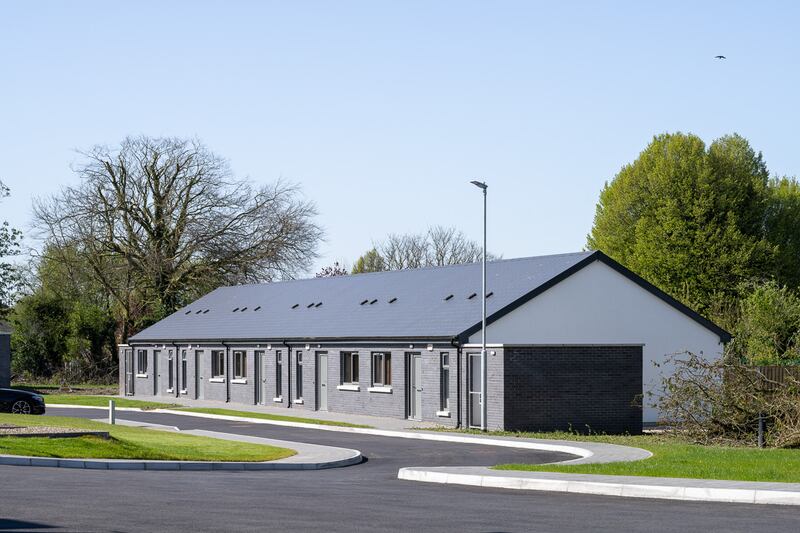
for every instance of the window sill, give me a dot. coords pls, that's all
(382, 389)
(171, 391)
(240, 381)
(278, 400)
(141, 375)
(216, 380)
(355, 388)
(184, 392)
(299, 401)
(443, 414)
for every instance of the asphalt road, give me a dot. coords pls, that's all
(365, 497)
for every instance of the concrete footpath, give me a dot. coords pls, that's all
(708, 490)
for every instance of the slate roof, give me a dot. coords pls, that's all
(405, 304)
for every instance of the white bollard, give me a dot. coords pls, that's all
(112, 416)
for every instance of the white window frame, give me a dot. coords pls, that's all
(349, 365)
(170, 372)
(239, 366)
(141, 363)
(444, 384)
(381, 362)
(184, 371)
(217, 365)
(298, 376)
(278, 376)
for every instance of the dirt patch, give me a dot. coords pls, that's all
(8, 430)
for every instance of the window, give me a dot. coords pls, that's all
(278, 374)
(141, 362)
(444, 387)
(239, 364)
(381, 369)
(184, 373)
(298, 394)
(217, 364)
(349, 370)
(170, 371)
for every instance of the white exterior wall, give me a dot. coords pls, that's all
(598, 305)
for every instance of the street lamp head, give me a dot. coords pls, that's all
(479, 184)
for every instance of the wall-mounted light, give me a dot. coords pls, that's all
(308, 346)
(493, 352)
(430, 347)
(410, 346)
(269, 346)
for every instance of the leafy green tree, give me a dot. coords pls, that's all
(9, 246)
(689, 218)
(768, 331)
(783, 228)
(39, 338)
(371, 261)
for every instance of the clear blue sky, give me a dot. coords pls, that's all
(384, 111)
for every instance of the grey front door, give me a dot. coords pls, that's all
(128, 355)
(261, 378)
(322, 381)
(414, 361)
(199, 393)
(475, 395)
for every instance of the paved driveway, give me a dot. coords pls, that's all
(365, 497)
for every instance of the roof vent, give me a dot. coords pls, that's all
(393, 300)
(244, 309)
(490, 294)
(206, 311)
(318, 304)
(189, 312)
(235, 310)
(373, 301)
(309, 306)
(471, 296)
(362, 303)
(198, 312)
(257, 308)
(448, 297)
(295, 306)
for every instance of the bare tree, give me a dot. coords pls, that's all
(159, 217)
(438, 246)
(332, 271)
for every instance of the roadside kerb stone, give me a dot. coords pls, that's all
(706, 490)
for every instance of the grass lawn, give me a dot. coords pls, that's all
(675, 457)
(130, 443)
(269, 416)
(102, 401)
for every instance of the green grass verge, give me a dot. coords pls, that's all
(268, 416)
(675, 457)
(102, 401)
(130, 443)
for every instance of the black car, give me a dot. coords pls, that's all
(21, 402)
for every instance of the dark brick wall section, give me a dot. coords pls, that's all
(5, 360)
(561, 387)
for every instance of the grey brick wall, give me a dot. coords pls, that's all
(578, 387)
(5, 360)
(389, 404)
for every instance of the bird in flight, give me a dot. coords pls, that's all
(720, 57)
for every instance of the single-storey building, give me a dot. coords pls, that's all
(573, 340)
(5, 354)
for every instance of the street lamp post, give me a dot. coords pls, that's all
(483, 187)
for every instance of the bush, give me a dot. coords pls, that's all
(721, 401)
